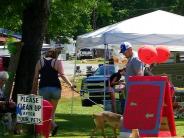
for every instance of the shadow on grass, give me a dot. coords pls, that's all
(180, 122)
(76, 125)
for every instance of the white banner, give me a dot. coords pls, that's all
(29, 109)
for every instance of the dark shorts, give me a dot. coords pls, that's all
(50, 93)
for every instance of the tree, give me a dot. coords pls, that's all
(125, 9)
(179, 7)
(70, 18)
(35, 19)
(11, 12)
(32, 17)
(102, 14)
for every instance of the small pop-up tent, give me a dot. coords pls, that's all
(155, 28)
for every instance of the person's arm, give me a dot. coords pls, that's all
(114, 81)
(60, 69)
(35, 79)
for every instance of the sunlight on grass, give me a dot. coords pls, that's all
(79, 123)
(179, 127)
(65, 107)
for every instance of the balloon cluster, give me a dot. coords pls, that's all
(151, 54)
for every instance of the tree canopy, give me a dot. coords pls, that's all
(75, 17)
(60, 18)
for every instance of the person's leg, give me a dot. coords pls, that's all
(122, 100)
(52, 94)
(54, 103)
(56, 95)
(113, 100)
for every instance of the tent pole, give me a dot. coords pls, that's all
(74, 75)
(105, 57)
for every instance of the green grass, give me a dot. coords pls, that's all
(79, 123)
(76, 122)
(179, 127)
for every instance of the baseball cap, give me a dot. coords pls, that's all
(124, 46)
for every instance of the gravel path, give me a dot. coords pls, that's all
(67, 92)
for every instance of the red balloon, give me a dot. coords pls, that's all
(147, 54)
(163, 54)
(140, 51)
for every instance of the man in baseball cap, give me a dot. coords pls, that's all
(134, 66)
(124, 47)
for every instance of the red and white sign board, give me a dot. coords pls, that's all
(148, 107)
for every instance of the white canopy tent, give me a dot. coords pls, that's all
(155, 28)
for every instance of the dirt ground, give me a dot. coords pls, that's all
(67, 92)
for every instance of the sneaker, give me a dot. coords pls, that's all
(54, 131)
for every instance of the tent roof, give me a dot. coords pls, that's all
(155, 28)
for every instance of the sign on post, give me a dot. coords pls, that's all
(29, 109)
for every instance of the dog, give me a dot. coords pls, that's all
(112, 119)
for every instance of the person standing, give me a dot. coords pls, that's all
(3, 78)
(94, 52)
(115, 80)
(48, 68)
(5, 104)
(148, 70)
(134, 67)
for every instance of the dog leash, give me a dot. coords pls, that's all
(89, 99)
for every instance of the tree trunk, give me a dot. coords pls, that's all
(35, 19)
(47, 37)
